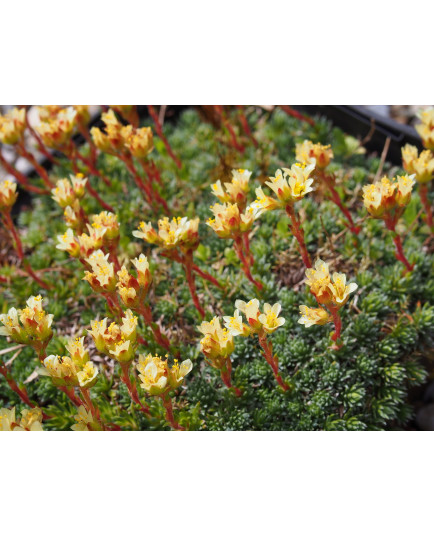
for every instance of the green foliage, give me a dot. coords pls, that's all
(387, 327)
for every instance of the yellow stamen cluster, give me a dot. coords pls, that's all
(67, 191)
(157, 377)
(56, 130)
(308, 153)
(30, 325)
(109, 222)
(76, 370)
(388, 197)
(12, 126)
(116, 340)
(311, 316)
(421, 165)
(425, 129)
(85, 421)
(8, 195)
(258, 322)
(177, 232)
(235, 191)
(31, 420)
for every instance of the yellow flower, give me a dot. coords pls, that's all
(153, 374)
(61, 369)
(388, 195)
(82, 113)
(88, 375)
(102, 278)
(251, 312)
(236, 190)
(140, 141)
(228, 222)
(12, 328)
(113, 142)
(426, 128)
(235, 325)
(270, 317)
(118, 341)
(30, 421)
(35, 320)
(177, 232)
(77, 351)
(109, 222)
(340, 290)
(12, 126)
(306, 151)
(143, 274)
(85, 421)
(67, 191)
(313, 316)
(264, 202)
(72, 215)
(177, 373)
(421, 165)
(217, 343)
(8, 195)
(318, 279)
(56, 131)
(68, 243)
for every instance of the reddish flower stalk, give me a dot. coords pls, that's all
(423, 192)
(167, 403)
(42, 172)
(90, 405)
(293, 113)
(91, 168)
(246, 243)
(150, 173)
(399, 254)
(132, 388)
(9, 224)
(297, 231)
(22, 393)
(69, 392)
(272, 360)
(20, 177)
(163, 138)
(226, 373)
(143, 186)
(226, 124)
(41, 147)
(245, 262)
(175, 256)
(188, 268)
(245, 125)
(73, 157)
(161, 339)
(337, 201)
(337, 322)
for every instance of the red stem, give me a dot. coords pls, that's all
(188, 268)
(41, 146)
(337, 322)
(161, 339)
(293, 113)
(226, 373)
(154, 191)
(69, 392)
(163, 138)
(42, 172)
(399, 253)
(423, 192)
(272, 360)
(132, 389)
(167, 403)
(22, 393)
(238, 245)
(206, 275)
(297, 231)
(337, 201)
(20, 177)
(245, 125)
(226, 123)
(91, 168)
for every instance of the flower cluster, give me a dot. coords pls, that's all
(31, 420)
(85, 421)
(308, 153)
(289, 185)
(235, 191)
(116, 340)
(421, 165)
(133, 290)
(57, 128)
(387, 198)
(177, 232)
(330, 291)
(31, 325)
(12, 126)
(426, 128)
(217, 344)
(157, 377)
(73, 371)
(102, 278)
